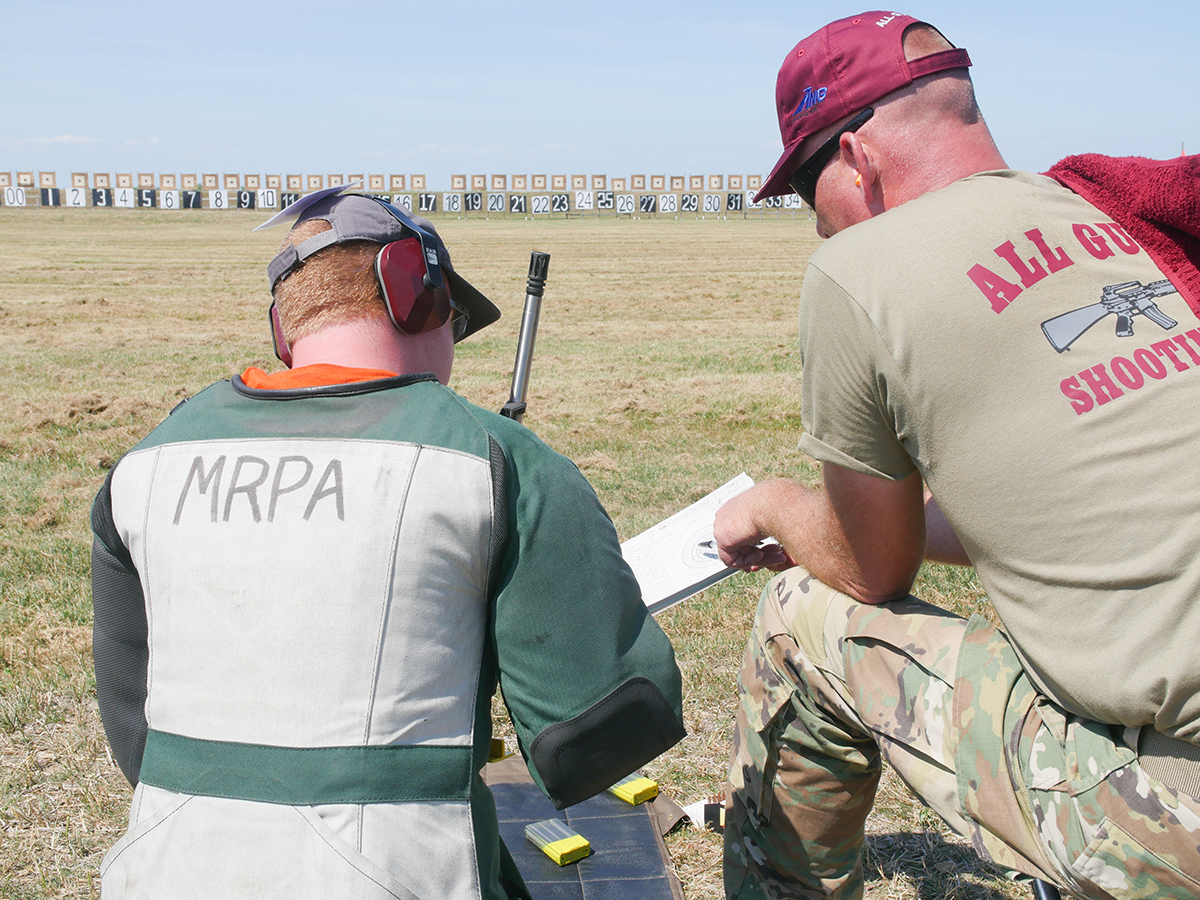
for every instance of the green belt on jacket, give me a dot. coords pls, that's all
(307, 776)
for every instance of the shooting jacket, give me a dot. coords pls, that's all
(304, 600)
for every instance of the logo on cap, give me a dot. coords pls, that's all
(812, 96)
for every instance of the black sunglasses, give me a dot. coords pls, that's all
(804, 179)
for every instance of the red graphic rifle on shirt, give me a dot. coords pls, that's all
(1127, 300)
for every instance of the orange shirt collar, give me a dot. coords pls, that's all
(318, 375)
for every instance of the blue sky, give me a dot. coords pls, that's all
(541, 86)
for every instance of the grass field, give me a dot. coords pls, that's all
(666, 364)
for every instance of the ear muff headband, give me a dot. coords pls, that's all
(429, 249)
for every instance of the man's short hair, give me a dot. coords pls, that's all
(955, 93)
(337, 284)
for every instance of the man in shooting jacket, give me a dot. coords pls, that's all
(998, 373)
(307, 585)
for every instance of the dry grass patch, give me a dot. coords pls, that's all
(665, 365)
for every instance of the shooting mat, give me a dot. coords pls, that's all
(628, 861)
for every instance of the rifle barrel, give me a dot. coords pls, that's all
(539, 267)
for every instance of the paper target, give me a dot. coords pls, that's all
(699, 551)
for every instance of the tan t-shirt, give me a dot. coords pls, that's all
(1012, 344)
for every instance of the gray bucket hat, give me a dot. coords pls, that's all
(363, 217)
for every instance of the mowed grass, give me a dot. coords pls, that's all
(666, 364)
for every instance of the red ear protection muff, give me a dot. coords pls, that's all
(415, 301)
(282, 352)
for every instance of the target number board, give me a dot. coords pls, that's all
(578, 200)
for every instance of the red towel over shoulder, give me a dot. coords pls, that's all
(1156, 201)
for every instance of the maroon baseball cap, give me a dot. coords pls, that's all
(840, 70)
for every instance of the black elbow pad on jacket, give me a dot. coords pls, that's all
(626, 729)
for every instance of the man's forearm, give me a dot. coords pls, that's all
(862, 535)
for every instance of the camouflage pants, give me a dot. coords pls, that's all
(829, 686)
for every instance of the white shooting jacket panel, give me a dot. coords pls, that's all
(371, 556)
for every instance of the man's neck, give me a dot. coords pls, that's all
(377, 344)
(362, 344)
(975, 151)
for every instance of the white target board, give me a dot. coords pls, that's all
(678, 557)
(404, 201)
(15, 195)
(585, 200)
(218, 198)
(124, 197)
(168, 199)
(77, 197)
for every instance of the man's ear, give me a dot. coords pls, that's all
(862, 158)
